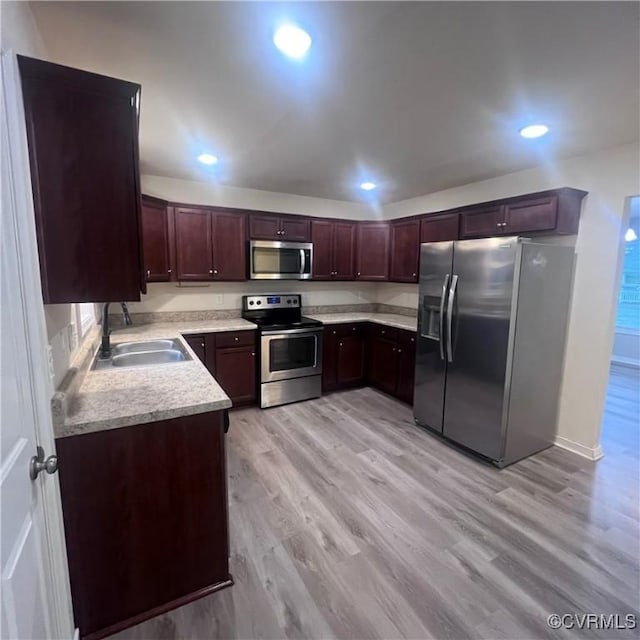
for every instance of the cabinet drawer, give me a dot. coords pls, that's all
(343, 330)
(406, 339)
(382, 331)
(236, 339)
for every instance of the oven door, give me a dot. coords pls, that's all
(272, 260)
(293, 353)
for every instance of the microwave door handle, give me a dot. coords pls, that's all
(443, 297)
(452, 295)
(303, 262)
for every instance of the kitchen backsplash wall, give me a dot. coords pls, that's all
(170, 297)
(397, 294)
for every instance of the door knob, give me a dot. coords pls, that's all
(38, 464)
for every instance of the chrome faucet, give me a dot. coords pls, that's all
(105, 346)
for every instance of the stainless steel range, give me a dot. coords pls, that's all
(290, 354)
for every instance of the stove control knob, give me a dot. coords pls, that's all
(251, 303)
(259, 302)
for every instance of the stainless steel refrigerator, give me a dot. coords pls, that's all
(492, 323)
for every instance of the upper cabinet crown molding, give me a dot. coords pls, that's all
(82, 133)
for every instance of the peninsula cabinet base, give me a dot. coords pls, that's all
(146, 522)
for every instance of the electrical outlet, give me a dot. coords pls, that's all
(220, 298)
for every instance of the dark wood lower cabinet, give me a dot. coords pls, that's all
(406, 366)
(343, 356)
(145, 516)
(230, 357)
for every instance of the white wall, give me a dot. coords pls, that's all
(20, 33)
(208, 193)
(228, 295)
(610, 177)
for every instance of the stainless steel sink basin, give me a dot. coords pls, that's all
(136, 354)
(149, 345)
(137, 358)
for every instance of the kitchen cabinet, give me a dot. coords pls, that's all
(333, 249)
(157, 240)
(287, 228)
(372, 253)
(555, 211)
(439, 227)
(343, 356)
(82, 134)
(145, 519)
(230, 357)
(391, 360)
(405, 250)
(210, 244)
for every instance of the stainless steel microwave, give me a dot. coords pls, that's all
(275, 260)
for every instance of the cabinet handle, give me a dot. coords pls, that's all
(334, 333)
(358, 274)
(215, 271)
(236, 338)
(340, 344)
(169, 271)
(393, 349)
(413, 275)
(382, 332)
(353, 328)
(202, 344)
(148, 272)
(253, 353)
(399, 350)
(210, 272)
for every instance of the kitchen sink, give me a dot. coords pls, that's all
(149, 345)
(136, 354)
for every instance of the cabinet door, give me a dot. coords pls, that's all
(383, 364)
(344, 250)
(229, 246)
(439, 227)
(372, 254)
(295, 229)
(405, 245)
(264, 227)
(82, 134)
(350, 368)
(539, 214)
(406, 366)
(329, 358)
(197, 343)
(194, 244)
(236, 373)
(482, 223)
(155, 241)
(322, 238)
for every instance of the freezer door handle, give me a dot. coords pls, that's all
(443, 297)
(452, 295)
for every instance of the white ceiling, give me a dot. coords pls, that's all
(417, 96)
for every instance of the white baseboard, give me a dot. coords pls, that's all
(592, 453)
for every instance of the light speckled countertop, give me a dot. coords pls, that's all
(389, 319)
(108, 399)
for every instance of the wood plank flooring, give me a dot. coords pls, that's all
(348, 521)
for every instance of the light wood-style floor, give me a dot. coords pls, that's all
(347, 521)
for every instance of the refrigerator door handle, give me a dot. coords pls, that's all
(452, 295)
(445, 284)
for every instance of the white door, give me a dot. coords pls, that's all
(32, 561)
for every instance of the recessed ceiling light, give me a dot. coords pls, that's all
(368, 186)
(292, 40)
(534, 131)
(207, 158)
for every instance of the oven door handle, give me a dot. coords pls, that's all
(279, 332)
(303, 261)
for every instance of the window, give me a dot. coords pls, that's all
(85, 318)
(629, 300)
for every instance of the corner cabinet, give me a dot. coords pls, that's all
(372, 254)
(82, 133)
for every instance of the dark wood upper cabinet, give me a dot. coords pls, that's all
(554, 211)
(372, 253)
(439, 227)
(156, 240)
(405, 250)
(287, 228)
(194, 240)
(333, 249)
(82, 132)
(229, 246)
